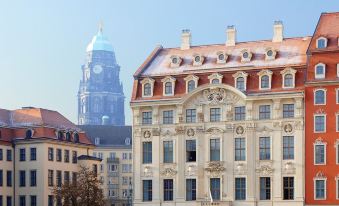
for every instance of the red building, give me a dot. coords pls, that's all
(322, 114)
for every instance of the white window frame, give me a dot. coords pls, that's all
(219, 61)
(284, 73)
(337, 69)
(336, 145)
(179, 60)
(325, 95)
(166, 80)
(215, 76)
(269, 74)
(240, 74)
(318, 76)
(317, 115)
(321, 38)
(336, 187)
(274, 53)
(248, 59)
(145, 81)
(336, 122)
(189, 78)
(320, 142)
(337, 95)
(199, 63)
(314, 188)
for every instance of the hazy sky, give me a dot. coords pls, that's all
(42, 43)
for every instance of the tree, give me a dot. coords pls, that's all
(84, 191)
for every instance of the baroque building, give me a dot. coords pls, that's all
(39, 149)
(221, 124)
(100, 97)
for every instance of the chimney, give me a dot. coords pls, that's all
(278, 31)
(231, 35)
(185, 39)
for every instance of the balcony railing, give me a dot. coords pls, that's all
(112, 160)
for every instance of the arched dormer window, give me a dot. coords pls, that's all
(191, 83)
(198, 60)
(168, 86)
(128, 141)
(288, 75)
(320, 71)
(246, 56)
(321, 42)
(175, 61)
(68, 136)
(240, 79)
(215, 78)
(147, 87)
(270, 54)
(320, 97)
(221, 57)
(265, 79)
(60, 135)
(29, 134)
(76, 137)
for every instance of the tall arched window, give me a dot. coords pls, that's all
(288, 81)
(319, 96)
(321, 43)
(191, 85)
(168, 88)
(320, 71)
(147, 89)
(265, 82)
(241, 83)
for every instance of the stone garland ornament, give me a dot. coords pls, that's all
(190, 132)
(239, 130)
(215, 168)
(168, 172)
(288, 128)
(147, 134)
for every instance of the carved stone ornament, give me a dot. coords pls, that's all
(289, 168)
(179, 130)
(320, 175)
(240, 169)
(239, 130)
(190, 132)
(191, 170)
(288, 128)
(148, 171)
(215, 168)
(168, 172)
(155, 132)
(265, 170)
(147, 134)
(214, 96)
(215, 130)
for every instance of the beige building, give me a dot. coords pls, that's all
(220, 124)
(39, 149)
(114, 147)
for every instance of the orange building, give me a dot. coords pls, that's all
(322, 114)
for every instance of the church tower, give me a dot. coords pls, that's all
(100, 97)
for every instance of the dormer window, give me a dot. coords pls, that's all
(221, 57)
(97, 141)
(240, 79)
(128, 141)
(147, 87)
(288, 78)
(265, 79)
(320, 70)
(60, 135)
(246, 55)
(76, 137)
(321, 43)
(270, 54)
(29, 133)
(191, 83)
(168, 86)
(198, 60)
(215, 78)
(175, 61)
(68, 136)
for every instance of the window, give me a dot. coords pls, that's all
(191, 189)
(1, 200)
(74, 157)
(22, 176)
(9, 178)
(215, 114)
(147, 152)
(265, 82)
(50, 178)
(76, 137)
(288, 110)
(66, 177)
(319, 123)
(1, 155)
(68, 136)
(215, 81)
(239, 113)
(33, 153)
(240, 83)
(321, 43)
(320, 70)
(9, 200)
(319, 97)
(191, 115)
(147, 89)
(168, 151)
(58, 155)
(240, 188)
(58, 178)
(147, 190)
(288, 147)
(1, 178)
(215, 188)
(319, 153)
(288, 188)
(22, 154)
(288, 80)
(190, 151)
(33, 178)
(191, 85)
(66, 157)
(33, 200)
(50, 200)
(168, 190)
(320, 189)
(9, 155)
(146, 118)
(265, 188)
(264, 112)
(29, 133)
(240, 149)
(264, 148)
(22, 200)
(60, 135)
(167, 117)
(168, 88)
(214, 149)
(50, 154)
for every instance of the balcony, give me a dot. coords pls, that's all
(112, 160)
(216, 203)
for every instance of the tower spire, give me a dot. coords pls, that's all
(101, 26)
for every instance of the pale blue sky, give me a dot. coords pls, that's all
(42, 43)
